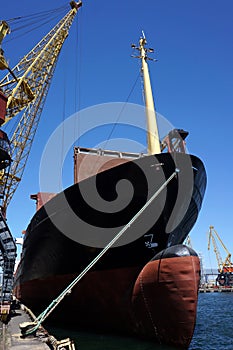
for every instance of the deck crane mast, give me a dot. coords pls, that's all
(225, 268)
(23, 89)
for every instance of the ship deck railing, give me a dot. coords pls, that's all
(110, 153)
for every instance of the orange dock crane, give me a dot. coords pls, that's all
(225, 268)
(23, 90)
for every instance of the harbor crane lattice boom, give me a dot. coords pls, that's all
(23, 89)
(225, 268)
(227, 265)
(27, 89)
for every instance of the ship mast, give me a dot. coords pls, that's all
(153, 143)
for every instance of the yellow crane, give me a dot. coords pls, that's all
(23, 90)
(223, 266)
(26, 87)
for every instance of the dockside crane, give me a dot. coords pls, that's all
(23, 90)
(225, 268)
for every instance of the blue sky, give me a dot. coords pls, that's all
(192, 83)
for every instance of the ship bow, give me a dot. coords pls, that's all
(165, 296)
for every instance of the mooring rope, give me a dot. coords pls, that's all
(68, 289)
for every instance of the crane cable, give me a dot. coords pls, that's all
(78, 68)
(37, 20)
(76, 89)
(37, 14)
(39, 17)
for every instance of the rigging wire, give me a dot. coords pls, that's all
(121, 111)
(69, 59)
(36, 14)
(78, 69)
(38, 25)
(117, 120)
(63, 129)
(32, 22)
(42, 16)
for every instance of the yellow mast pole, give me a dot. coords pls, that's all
(153, 143)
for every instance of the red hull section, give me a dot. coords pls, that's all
(101, 300)
(158, 303)
(165, 299)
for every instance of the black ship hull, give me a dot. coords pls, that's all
(67, 233)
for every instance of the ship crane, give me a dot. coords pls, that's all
(23, 89)
(225, 268)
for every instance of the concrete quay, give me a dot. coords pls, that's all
(11, 336)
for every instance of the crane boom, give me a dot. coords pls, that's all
(218, 256)
(24, 87)
(227, 265)
(27, 89)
